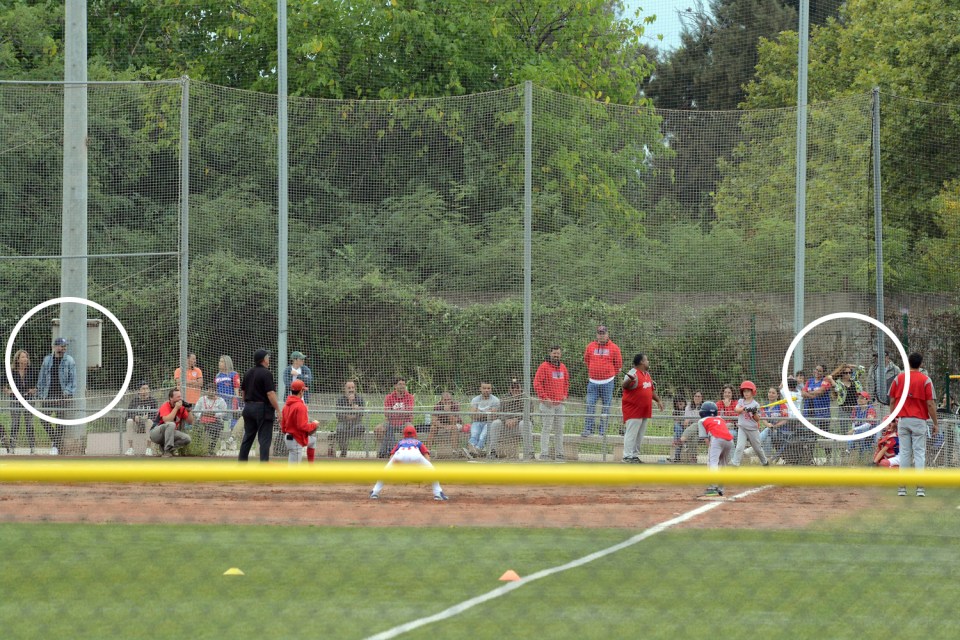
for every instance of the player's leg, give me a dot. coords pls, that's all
(641, 432)
(558, 421)
(632, 429)
(293, 449)
(753, 437)
(526, 434)
(606, 396)
(311, 448)
(593, 394)
(378, 487)
(265, 437)
(741, 445)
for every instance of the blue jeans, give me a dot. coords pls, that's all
(596, 392)
(478, 434)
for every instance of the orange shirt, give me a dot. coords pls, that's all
(194, 383)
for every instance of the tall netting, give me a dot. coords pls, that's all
(133, 195)
(406, 258)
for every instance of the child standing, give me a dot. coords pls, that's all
(679, 409)
(298, 432)
(862, 418)
(718, 453)
(410, 451)
(747, 426)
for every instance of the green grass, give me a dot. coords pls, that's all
(887, 573)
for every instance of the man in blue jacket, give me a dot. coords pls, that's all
(56, 385)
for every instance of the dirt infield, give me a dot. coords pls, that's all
(407, 505)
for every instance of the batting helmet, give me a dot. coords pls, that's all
(708, 409)
(746, 384)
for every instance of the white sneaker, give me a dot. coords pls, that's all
(130, 452)
(53, 451)
(148, 452)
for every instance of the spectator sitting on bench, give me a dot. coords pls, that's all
(446, 428)
(143, 408)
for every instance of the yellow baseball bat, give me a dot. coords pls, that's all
(773, 404)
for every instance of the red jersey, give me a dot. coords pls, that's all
(921, 390)
(551, 382)
(889, 443)
(603, 360)
(398, 408)
(294, 420)
(727, 410)
(716, 428)
(638, 402)
(177, 419)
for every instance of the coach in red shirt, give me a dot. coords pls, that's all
(639, 394)
(552, 385)
(604, 361)
(919, 407)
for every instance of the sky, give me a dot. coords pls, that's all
(668, 21)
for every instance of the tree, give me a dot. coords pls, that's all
(907, 48)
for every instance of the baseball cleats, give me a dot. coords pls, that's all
(629, 460)
(374, 496)
(440, 497)
(920, 493)
(902, 492)
(713, 492)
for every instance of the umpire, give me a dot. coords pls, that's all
(260, 406)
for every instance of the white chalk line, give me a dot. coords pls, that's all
(573, 564)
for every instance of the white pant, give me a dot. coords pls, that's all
(407, 456)
(913, 443)
(635, 429)
(754, 437)
(295, 449)
(552, 425)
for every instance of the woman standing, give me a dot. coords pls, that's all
(228, 388)
(25, 377)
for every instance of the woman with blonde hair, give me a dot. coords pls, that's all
(228, 388)
(25, 377)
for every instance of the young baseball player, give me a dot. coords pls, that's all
(410, 451)
(721, 442)
(888, 447)
(297, 432)
(747, 426)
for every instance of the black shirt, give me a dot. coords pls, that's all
(257, 383)
(25, 382)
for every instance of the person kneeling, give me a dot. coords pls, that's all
(297, 432)
(169, 429)
(888, 447)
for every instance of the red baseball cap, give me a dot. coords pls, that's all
(865, 394)
(297, 386)
(409, 431)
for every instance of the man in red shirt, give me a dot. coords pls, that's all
(398, 409)
(604, 361)
(919, 407)
(552, 385)
(168, 432)
(639, 393)
(298, 432)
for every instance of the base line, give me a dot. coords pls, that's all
(573, 564)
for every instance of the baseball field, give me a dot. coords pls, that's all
(94, 560)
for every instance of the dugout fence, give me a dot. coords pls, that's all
(454, 240)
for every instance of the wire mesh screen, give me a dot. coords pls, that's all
(407, 242)
(133, 228)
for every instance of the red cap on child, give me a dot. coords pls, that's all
(409, 431)
(297, 386)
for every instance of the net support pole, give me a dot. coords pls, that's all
(800, 238)
(527, 243)
(73, 272)
(184, 227)
(282, 193)
(880, 381)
